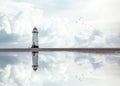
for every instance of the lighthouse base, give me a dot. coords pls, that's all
(35, 46)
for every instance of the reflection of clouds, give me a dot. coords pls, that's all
(5, 60)
(43, 65)
(64, 65)
(15, 74)
(82, 58)
(113, 59)
(15, 69)
(79, 65)
(58, 66)
(13, 58)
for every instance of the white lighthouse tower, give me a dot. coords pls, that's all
(35, 38)
(35, 45)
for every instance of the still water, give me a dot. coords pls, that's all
(60, 69)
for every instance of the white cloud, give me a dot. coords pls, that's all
(21, 17)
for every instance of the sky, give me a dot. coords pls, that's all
(61, 23)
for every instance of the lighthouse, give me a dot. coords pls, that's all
(35, 38)
(35, 45)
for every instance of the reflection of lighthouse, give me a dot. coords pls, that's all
(35, 45)
(35, 38)
(35, 60)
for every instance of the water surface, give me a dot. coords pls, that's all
(60, 69)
